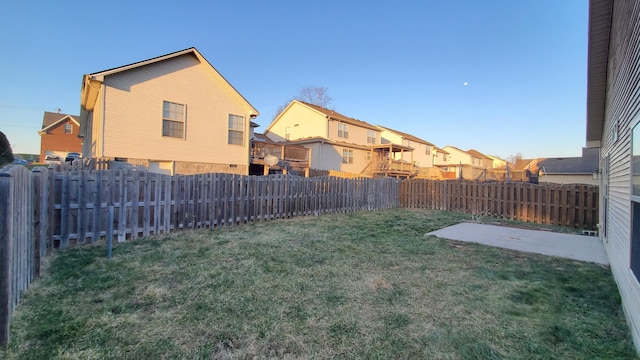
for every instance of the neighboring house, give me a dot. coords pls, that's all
(59, 135)
(480, 159)
(440, 157)
(496, 162)
(613, 125)
(337, 142)
(173, 114)
(470, 165)
(571, 170)
(524, 170)
(422, 149)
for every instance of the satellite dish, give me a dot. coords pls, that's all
(270, 160)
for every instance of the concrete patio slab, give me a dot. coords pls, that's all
(576, 247)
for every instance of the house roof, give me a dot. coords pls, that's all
(440, 150)
(457, 149)
(406, 136)
(51, 119)
(322, 139)
(492, 157)
(334, 115)
(263, 138)
(586, 164)
(523, 164)
(600, 12)
(478, 154)
(99, 76)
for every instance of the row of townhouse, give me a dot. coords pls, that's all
(177, 114)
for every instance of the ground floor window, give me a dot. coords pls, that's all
(347, 156)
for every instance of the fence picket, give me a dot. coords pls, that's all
(566, 205)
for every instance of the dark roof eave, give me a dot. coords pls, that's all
(600, 12)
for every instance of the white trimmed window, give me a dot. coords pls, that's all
(371, 137)
(347, 156)
(343, 130)
(173, 118)
(236, 129)
(68, 129)
(287, 133)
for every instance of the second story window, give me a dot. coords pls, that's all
(68, 129)
(236, 129)
(371, 137)
(287, 133)
(173, 118)
(343, 130)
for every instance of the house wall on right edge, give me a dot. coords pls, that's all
(622, 113)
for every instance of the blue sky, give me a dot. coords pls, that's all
(400, 64)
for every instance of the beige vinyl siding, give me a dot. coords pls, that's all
(389, 137)
(97, 142)
(422, 155)
(133, 113)
(456, 156)
(359, 159)
(622, 106)
(357, 134)
(329, 157)
(302, 122)
(419, 153)
(325, 156)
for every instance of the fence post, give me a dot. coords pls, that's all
(110, 231)
(6, 203)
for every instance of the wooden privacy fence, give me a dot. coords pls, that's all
(19, 254)
(47, 209)
(147, 203)
(573, 206)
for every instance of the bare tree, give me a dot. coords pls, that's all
(513, 158)
(316, 95)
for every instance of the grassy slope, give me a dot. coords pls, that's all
(364, 285)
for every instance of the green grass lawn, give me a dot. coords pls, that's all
(368, 285)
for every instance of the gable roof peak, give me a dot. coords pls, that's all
(334, 115)
(98, 77)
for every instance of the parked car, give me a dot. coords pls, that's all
(18, 161)
(52, 159)
(72, 156)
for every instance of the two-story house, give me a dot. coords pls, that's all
(497, 162)
(337, 142)
(470, 164)
(59, 135)
(174, 113)
(422, 149)
(613, 126)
